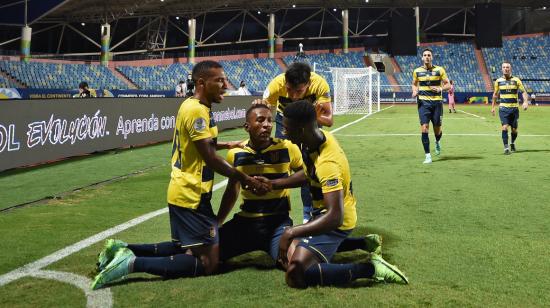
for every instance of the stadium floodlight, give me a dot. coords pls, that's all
(294, 5)
(82, 24)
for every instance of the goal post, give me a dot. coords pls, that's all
(356, 90)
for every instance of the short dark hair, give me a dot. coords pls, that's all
(254, 107)
(298, 73)
(83, 85)
(428, 49)
(201, 69)
(300, 111)
(505, 61)
(181, 81)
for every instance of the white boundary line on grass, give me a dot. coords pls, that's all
(103, 297)
(416, 134)
(473, 115)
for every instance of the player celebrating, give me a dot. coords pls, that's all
(193, 250)
(299, 83)
(429, 81)
(262, 219)
(506, 90)
(334, 217)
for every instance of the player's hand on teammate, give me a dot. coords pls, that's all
(284, 244)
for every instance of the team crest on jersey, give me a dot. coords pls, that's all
(199, 124)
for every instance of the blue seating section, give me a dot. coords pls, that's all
(459, 61)
(529, 56)
(61, 76)
(6, 83)
(156, 77)
(256, 73)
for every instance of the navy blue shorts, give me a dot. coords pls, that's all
(192, 228)
(242, 234)
(324, 246)
(509, 116)
(430, 112)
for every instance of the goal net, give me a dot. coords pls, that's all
(356, 90)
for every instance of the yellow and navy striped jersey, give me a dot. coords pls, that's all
(328, 170)
(274, 162)
(427, 78)
(508, 91)
(277, 96)
(191, 180)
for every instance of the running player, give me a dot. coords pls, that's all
(429, 82)
(506, 91)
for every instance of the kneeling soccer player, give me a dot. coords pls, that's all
(334, 215)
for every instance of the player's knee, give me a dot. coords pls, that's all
(295, 275)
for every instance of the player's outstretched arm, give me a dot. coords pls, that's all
(228, 145)
(229, 199)
(207, 150)
(331, 220)
(297, 179)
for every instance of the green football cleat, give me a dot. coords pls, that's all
(383, 271)
(108, 253)
(373, 243)
(116, 270)
(437, 147)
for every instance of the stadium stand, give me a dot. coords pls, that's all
(458, 60)
(529, 57)
(60, 75)
(6, 83)
(156, 77)
(256, 73)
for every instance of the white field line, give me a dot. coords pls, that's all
(34, 268)
(473, 115)
(417, 134)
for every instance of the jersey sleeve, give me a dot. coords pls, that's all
(520, 86)
(323, 92)
(415, 77)
(495, 86)
(230, 157)
(271, 93)
(296, 162)
(330, 176)
(196, 122)
(444, 74)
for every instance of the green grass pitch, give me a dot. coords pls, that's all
(471, 229)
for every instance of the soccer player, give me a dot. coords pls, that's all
(262, 219)
(334, 215)
(451, 97)
(429, 81)
(506, 91)
(299, 83)
(193, 250)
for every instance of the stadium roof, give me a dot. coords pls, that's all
(108, 10)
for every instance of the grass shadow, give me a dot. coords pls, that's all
(444, 158)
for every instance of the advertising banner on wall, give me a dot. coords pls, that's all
(38, 131)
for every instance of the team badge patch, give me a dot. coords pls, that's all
(332, 182)
(199, 124)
